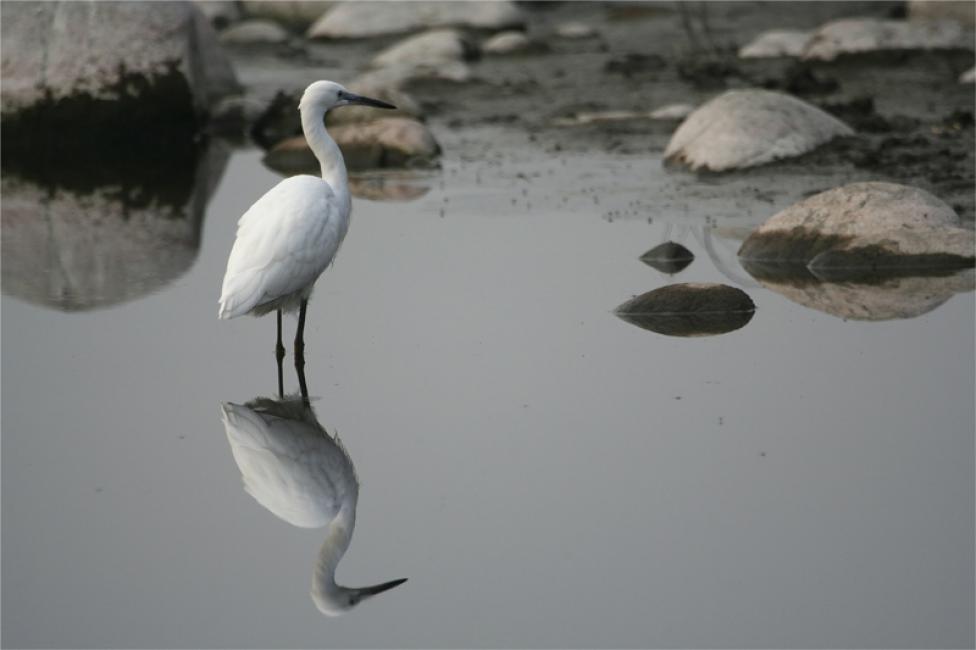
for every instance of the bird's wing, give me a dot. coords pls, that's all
(289, 467)
(284, 241)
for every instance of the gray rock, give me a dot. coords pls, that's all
(510, 42)
(857, 35)
(689, 310)
(744, 128)
(873, 226)
(254, 32)
(388, 142)
(400, 75)
(143, 52)
(776, 43)
(430, 48)
(968, 77)
(296, 15)
(668, 257)
(366, 18)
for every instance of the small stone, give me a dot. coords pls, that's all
(367, 18)
(389, 142)
(253, 32)
(296, 15)
(668, 257)
(863, 226)
(745, 128)
(672, 112)
(574, 30)
(776, 43)
(429, 48)
(968, 77)
(857, 35)
(509, 42)
(689, 310)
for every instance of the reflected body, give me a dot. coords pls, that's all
(292, 233)
(295, 469)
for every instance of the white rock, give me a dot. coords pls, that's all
(367, 18)
(575, 30)
(43, 53)
(294, 14)
(397, 76)
(962, 12)
(968, 77)
(776, 43)
(863, 225)
(853, 35)
(220, 13)
(672, 112)
(506, 43)
(429, 48)
(254, 31)
(744, 128)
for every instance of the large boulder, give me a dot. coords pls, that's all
(160, 56)
(859, 35)
(689, 309)
(366, 18)
(744, 128)
(863, 226)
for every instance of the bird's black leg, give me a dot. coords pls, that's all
(279, 355)
(300, 334)
(300, 353)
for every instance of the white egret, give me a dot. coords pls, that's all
(295, 469)
(292, 233)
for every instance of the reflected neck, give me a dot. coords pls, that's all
(338, 534)
(326, 151)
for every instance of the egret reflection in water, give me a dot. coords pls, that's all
(293, 467)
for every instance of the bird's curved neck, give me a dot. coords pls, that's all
(337, 537)
(325, 150)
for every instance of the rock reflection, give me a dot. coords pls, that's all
(294, 468)
(74, 247)
(864, 296)
(689, 310)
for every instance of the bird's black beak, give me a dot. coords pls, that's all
(352, 98)
(378, 589)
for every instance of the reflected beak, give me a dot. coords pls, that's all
(378, 589)
(366, 101)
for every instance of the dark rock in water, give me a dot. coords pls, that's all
(631, 64)
(668, 257)
(689, 310)
(800, 79)
(864, 226)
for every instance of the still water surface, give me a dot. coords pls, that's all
(544, 473)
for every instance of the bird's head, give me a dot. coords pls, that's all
(336, 600)
(325, 95)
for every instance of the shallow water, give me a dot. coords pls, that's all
(543, 472)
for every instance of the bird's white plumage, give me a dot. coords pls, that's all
(284, 242)
(289, 464)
